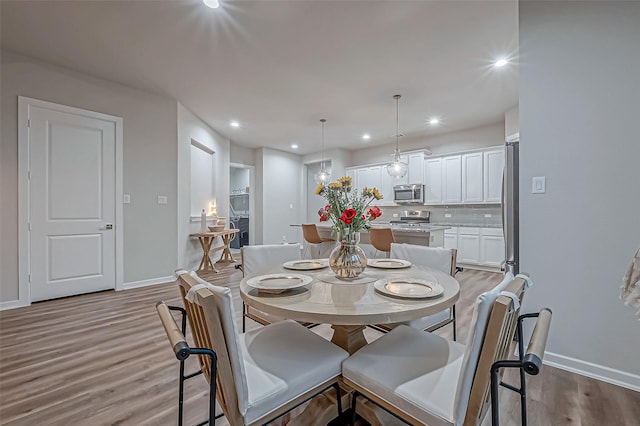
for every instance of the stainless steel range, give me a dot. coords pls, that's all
(412, 218)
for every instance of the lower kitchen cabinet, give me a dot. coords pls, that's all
(492, 250)
(468, 245)
(476, 246)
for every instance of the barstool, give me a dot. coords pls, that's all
(381, 239)
(311, 236)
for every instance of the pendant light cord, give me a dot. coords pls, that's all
(322, 120)
(397, 98)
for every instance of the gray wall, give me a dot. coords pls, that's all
(579, 109)
(239, 178)
(149, 162)
(242, 155)
(191, 127)
(511, 121)
(279, 178)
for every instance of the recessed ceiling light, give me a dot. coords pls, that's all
(234, 123)
(213, 4)
(294, 145)
(433, 121)
(366, 137)
(500, 63)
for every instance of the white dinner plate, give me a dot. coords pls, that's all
(279, 282)
(409, 288)
(388, 263)
(306, 265)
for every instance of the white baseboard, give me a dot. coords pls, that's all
(12, 304)
(151, 281)
(595, 371)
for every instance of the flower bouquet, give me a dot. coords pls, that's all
(349, 213)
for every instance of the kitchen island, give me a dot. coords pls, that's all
(422, 234)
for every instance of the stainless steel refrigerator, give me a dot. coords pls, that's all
(510, 207)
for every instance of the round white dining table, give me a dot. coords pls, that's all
(350, 306)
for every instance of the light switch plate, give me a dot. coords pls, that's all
(162, 199)
(487, 215)
(447, 215)
(126, 199)
(538, 185)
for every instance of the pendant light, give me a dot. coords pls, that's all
(397, 168)
(323, 175)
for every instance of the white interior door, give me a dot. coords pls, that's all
(71, 203)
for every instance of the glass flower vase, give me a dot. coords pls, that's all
(347, 260)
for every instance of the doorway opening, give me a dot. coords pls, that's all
(241, 204)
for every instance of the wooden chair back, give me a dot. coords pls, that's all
(496, 345)
(381, 238)
(310, 233)
(225, 389)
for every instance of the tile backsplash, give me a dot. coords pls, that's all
(468, 214)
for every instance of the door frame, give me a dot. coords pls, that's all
(24, 191)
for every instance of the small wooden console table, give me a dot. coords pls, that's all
(206, 240)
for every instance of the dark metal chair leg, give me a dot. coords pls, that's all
(353, 408)
(244, 317)
(453, 314)
(338, 398)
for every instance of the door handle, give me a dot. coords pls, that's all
(108, 226)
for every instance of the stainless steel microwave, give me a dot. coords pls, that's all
(408, 194)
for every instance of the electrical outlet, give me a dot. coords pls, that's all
(126, 199)
(395, 215)
(447, 215)
(487, 215)
(162, 199)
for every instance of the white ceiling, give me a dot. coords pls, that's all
(279, 66)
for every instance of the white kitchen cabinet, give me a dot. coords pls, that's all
(368, 177)
(451, 238)
(415, 173)
(351, 172)
(469, 245)
(493, 169)
(472, 178)
(433, 181)
(452, 179)
(492, 247)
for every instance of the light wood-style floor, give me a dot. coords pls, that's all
(103, 359)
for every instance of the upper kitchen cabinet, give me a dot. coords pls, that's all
(415, 173)
(452, 179)
(469, 178)
(351, 172)
(433, 181)
(472, 178)
(369, 177)
(493, 167)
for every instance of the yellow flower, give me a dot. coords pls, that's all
(319, 189)
(335, 185)
(345, 181)
(377, 195)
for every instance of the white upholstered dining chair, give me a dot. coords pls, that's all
(426, 379)
(438, 258)
(267, 371)
(260, 259)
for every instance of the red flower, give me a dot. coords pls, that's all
(324, 213)
(348, 215)
(375, 212)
